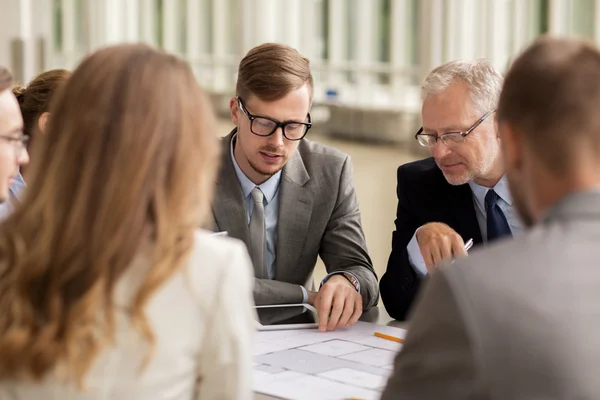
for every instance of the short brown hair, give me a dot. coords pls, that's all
(5, 79)
(272, 70)
(34, 99)
(551, 94)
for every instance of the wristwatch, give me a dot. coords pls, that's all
(352, 280)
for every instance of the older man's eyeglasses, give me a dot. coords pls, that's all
(450, 138)
(19, 143)
(264, 126)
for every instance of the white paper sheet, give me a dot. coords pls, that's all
(355, 378)
(373, 357)
(296, 386)
(308, 364)
(335, 348)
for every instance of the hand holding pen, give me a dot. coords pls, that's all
(438, 243)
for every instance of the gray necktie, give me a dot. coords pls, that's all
(257, 234)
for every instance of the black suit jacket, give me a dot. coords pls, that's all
(424, 196)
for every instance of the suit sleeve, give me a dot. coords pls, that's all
(343, 245)
(267, 291)
(400, 283)
(437, 360)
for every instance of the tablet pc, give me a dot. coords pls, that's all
(286, 316)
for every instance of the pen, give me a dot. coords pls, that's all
(388, 337)
(469, 244)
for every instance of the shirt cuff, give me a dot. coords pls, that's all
(304, 295)
(338, 273)
(415, 258)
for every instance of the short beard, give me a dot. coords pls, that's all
(481, 169)
(261, 171)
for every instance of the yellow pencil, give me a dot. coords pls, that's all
(388, 337)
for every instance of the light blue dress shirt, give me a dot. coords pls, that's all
(270, 190)
(15, 194)
(504, 202)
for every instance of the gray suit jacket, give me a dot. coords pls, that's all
(518, 320)
(318, 216)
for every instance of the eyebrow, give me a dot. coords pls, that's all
(448, 129)
(18, 129)
(302, 121)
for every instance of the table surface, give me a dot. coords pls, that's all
(376, 315)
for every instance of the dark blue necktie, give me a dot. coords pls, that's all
(497, 226)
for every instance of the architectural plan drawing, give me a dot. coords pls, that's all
(308, 364)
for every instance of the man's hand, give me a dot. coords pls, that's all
(438, 242)
(338, 303)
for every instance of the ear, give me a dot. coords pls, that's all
(512, 146)
(43, 121)
(233, 110)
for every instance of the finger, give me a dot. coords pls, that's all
(336, 310)
(436, 254)
(348, 312)
(324, 309)
(458, 246)
(357, 310)
(446, 248)
(427, 257)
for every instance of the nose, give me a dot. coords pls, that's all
(276, 139)
(439, 150)
(23, 158)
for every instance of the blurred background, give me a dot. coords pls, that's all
(367, 56)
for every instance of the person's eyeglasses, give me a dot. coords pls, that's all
(19, 143)
(450, 139)
(264, 126)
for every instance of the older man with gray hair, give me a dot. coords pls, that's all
(459, 196)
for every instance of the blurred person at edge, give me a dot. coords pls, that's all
(13, 150)
(34, 102)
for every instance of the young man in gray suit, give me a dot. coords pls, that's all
(520, 320)
(289, 199)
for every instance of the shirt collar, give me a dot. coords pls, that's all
(501, 189)
(17, 187)
(269, 187)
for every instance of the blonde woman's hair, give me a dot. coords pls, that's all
(127, 167)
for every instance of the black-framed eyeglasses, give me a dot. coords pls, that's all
(20, 143)
(450, 138)
(265, 126)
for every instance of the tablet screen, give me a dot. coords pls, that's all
(285, 315)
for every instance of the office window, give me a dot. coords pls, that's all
(582, 18)
(158, 23)
(182, 24)
(57, 11)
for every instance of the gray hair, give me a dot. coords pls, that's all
(484, 82)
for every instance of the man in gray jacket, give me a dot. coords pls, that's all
(289, 199)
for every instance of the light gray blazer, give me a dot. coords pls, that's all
(318, 216)
(518, 320)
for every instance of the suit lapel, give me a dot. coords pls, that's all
(229, 207)
(295, 210)
(464, 210)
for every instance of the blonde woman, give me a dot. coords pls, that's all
(107, 290)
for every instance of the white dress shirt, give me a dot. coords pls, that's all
(504, 202)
